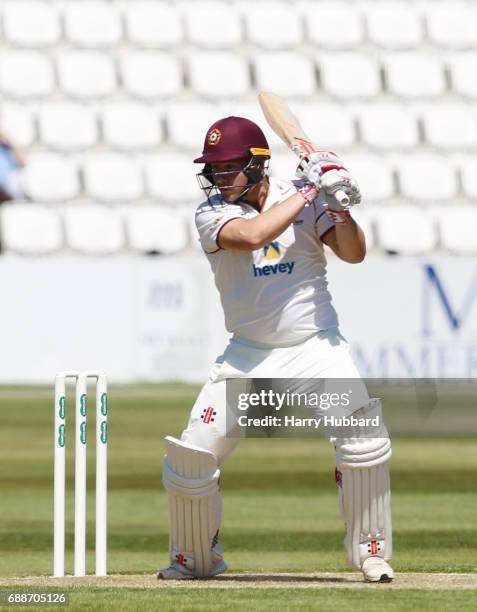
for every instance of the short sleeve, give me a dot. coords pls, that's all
(209, 222)
(322, 222)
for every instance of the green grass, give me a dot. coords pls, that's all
(280, 507)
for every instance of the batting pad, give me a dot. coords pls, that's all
(191, 476)
(365, 494)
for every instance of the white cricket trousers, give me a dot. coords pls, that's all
(325, 355)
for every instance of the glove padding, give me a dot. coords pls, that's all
(326, 171)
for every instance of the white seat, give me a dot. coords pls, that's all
(388, 126)
(374, 175)
(67, 126)
(427, 178)
(272, 25)
(218, 74)
(151, 74)
(151, 23)
(171, 177)
(112, 177)
(450, 126)
(457, 227)
(31, 23)
(93, 229)
(452, 24)
(212, 24)
(283, 166)
(467, 166)
(333, 25)
(285, 73)
(188, 123)
(16, 121)
(92, 23)
(462, 65)
(86, 74)
(349, 76)
(26, 74)
(364, 217)
(415, 75)
(395, 25)
(405, 229)
(131, 125)
(49, 177)
(30, 229)
(155, 229)
(329, 126)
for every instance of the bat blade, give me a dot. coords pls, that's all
(287, 127)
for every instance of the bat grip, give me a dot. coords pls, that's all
(342, 198)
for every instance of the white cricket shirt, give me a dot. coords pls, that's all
(276, 295)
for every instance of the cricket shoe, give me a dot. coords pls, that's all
(177, 572)
(375, 569)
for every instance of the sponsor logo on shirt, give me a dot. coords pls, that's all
(271, 251)
(273, 269)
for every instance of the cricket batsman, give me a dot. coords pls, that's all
(283, 325)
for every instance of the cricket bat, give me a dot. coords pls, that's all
(287, 127)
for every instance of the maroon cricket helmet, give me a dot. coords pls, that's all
(233, 138)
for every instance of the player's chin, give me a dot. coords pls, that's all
(230, 194)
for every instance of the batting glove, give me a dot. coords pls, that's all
(326, 171)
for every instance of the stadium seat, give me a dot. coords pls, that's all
(364, 217)
(285, 73)
(333, 25)
(155, 229)
(457, 228)
(112, 177)
(210, 24)
(218, 74)
(450, 126)
(188, 122)
(25, 74)
(86, 74)
(461, 65)
(49, 177)
(394, 25)
(413, 74)
(152, 23)
(283, 165)
(171, 177)
(92, 23)
(272, 25)
(349, 76)
(427, 178)
(30, 228)
(31, 23)
(332, 126)
(387, 125)
(67, 126)
(405, 230)
(374, 175)
(452, 24)
(93, 229)
(17, 122)
(151, 74)
(131, 125)
(468, 174)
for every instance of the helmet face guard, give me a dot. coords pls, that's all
(255, 170)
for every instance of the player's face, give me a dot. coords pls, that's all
(230, 178)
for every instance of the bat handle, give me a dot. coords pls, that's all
(342, 198)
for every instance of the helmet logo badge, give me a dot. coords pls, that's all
(214, 137)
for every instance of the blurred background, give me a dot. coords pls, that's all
(104, 104)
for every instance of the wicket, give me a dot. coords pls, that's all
(80, 472)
